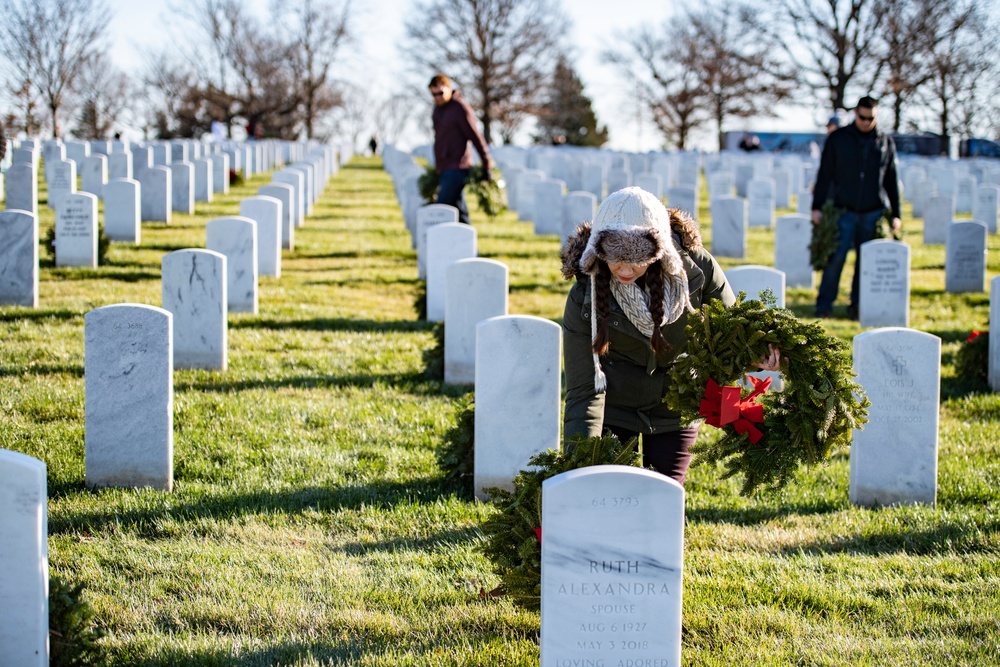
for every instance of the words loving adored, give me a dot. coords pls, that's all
(612, 559)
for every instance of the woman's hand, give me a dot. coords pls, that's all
(771, 362)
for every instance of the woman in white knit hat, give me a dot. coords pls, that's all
(648, 270)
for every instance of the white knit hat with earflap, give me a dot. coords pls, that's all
(632, 226)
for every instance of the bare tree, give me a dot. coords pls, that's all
(48, 43)
(501, 50)
(316, 32)
(662, 72)
(961, 67)
(105, 95)
(741, 75)
(393, 116)
(832, 42)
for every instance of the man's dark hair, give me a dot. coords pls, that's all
(867, 102)
(440, 80)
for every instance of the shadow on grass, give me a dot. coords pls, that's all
(414, 383)
(15, 314)
(467, 638)
(944, 538)
(43, 369)
(752, 516)
(145, 521)
(335, 324)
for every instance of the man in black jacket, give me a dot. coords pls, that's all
(859, 165)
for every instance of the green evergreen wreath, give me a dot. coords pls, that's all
(513, 539)
(814, 415)
(489, 194)
(973, 359)
(826, 235)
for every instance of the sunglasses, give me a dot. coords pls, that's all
(867, 119)
(438, 93)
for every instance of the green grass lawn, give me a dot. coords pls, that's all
(310, 525)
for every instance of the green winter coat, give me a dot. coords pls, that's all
(636, 379)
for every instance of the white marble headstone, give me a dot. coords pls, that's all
(965, 257)
(194, 290)
(730, 226)
(236, 238)
(650, 182)
(476, 290)
(618, 179)
(760, 202)
(993, 370)
(518, 372)
(122, 212)
(24, 554)
(266, 212)
(884, 284)
(894, 458)
(119, 165)
(182, 187)
(61, 181)
(203, 179)
(684, 198)
(297, 181)
(548, 206)
(220, 173)
(22, 188)
(76, 230)
(612, 568)
(752, 279)
(129, 396)
(94, 174)
(156, 194)
(18, 258)
(938, 214)
(427, 217)
(285, 194)
(592, 180)
(526, 193)
(985, 207)
(792, 236)
(446, 244)
(577, 207)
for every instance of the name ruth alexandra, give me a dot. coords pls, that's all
(633, 588)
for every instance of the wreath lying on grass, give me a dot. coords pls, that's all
(489, 194)
(826, 235)
(513, 533)
(766, 442)
(973, 359)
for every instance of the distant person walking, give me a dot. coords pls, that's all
(454, 128)
(859, 163)
(3, 140)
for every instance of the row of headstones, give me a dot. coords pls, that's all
(614, 588)
(938, 211)
(949, 178)
(279, 207)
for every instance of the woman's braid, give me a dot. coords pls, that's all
(654, 281)
(602, 306)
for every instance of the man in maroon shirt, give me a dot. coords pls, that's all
(454, 128)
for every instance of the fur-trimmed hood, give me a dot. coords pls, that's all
(683, 228)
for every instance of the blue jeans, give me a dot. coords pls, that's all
(855, 229)
(451, 190)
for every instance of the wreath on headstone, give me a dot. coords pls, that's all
(489, 193)
(767, 435)
(513, 533)
(826, 234)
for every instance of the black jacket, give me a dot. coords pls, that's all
(862, 167)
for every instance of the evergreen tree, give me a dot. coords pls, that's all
(568, 117)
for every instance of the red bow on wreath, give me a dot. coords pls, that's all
(722, 405)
